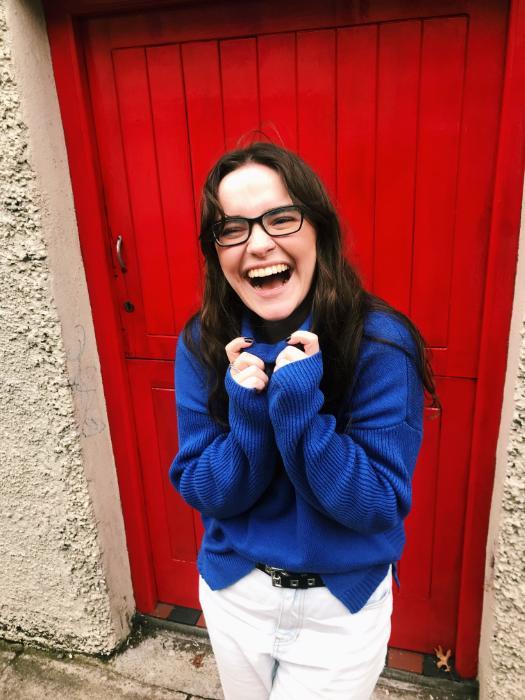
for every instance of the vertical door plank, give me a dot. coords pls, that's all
(415, 568)
(356, 110)
(426, 605)
(174, 162)
(204, 107)
(239, 89)
(174, 528)
(142, 176)
(398, 75)
(455, 447)
(106, 123)
(316, 103)
(442, 69)
(481, 112)
(173, 537)
(278, 88)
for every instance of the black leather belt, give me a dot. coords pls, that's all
(290, 579)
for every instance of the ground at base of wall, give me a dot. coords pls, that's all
(159, 664)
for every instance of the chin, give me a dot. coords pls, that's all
(274, 312)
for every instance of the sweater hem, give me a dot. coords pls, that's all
(221, 571)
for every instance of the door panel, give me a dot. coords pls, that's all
(178, 205)
(175, 528)
(240, 106)
(378, 111)
(138, 139)
(400, 120)
(277, 91)
(396, 146)
(442, 76)
(426, 606)
(315, 68)
(356, 154)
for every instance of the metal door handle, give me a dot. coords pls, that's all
(119, 254)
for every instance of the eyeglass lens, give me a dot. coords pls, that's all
(277, 222)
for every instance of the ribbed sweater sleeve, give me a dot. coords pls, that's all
(220, 472)
(362, 477)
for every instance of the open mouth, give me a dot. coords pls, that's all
(269, 278)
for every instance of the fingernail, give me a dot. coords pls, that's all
(248, 340)
(289, 338)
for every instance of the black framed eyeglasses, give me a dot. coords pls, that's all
(234, 230)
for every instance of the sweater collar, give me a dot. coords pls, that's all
(253, 326)
(270, 332)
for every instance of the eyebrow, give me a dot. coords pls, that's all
(241, 216)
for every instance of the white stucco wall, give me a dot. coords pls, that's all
(64, 572)
(502, 645)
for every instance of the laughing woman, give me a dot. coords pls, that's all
(299, 407)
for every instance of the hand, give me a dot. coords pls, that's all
(246, 369)
(308, 340)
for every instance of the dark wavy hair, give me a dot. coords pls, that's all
(339, 301)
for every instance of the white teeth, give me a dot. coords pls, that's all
(265, 271)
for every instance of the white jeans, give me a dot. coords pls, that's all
(288, 644)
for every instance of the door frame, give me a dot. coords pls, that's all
(63, 20)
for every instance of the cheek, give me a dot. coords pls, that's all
(310, 253)
(228, 262)
(313, 265)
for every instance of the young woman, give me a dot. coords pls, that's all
(299, 405)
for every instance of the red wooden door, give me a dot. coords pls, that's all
(398, 111)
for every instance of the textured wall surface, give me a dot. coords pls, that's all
(504, 632)
(508, 644)
(64, 574)
(502, 646)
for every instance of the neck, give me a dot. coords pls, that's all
(273, 331)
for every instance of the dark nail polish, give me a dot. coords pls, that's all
(248, 340)
(289, 337)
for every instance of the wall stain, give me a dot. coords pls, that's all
(83, 381)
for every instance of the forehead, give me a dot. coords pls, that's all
(251, 190)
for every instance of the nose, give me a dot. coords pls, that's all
(259, 242)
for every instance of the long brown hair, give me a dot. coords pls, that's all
(339, 303)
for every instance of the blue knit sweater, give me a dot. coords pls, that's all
(298, 489)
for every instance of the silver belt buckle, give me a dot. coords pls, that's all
(276, 579)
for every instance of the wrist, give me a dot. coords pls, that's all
(245, 401)
(300, 376)
(294, 388)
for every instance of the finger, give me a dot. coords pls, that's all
(309, 340)
(235, 347)
(248, 374)
(281, 363)
(291, 353)
(254, 383)
(246, 359)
